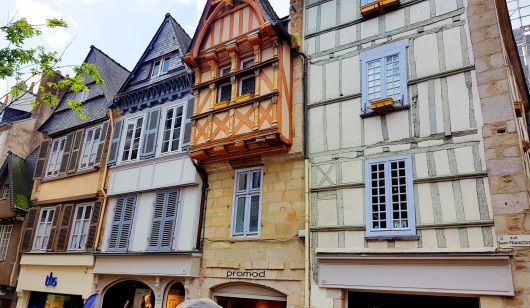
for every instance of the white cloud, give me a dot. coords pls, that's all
(71, 22)
(37, 13)
(90, 1)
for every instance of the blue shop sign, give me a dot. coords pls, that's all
(50, 280)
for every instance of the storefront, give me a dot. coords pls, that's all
(249, 296)
(55, 281)
(385, 300)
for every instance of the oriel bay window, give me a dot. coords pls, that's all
(44, 226)
(164, 220)
(389, 197)
(247, 84)
(80, 227)
(225, 92)
(172, 131)
(56, 156)
(133, 136)
(246, 209)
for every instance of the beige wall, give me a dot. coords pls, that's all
(8, 268)
(79, 185)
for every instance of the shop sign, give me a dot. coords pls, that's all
(514, 241)
(50, 280)
(249, 274)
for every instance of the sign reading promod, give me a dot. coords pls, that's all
(249, 274)
(514, 240)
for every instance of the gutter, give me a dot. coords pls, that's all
(307, 256)
(204, 195)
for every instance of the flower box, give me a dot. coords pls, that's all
(387, 3)
(382, 103)
(243, 97)
(220, 104)
(370, 8)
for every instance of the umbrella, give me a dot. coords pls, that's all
(199, 303)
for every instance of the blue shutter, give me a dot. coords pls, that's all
(116, 224)
(187, 124)
(150, 134)
(121, 224)
(115, 143)
(158, 217)
(164, 220)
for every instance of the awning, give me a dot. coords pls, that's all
(453, 274)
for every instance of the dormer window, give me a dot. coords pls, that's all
(160, 67)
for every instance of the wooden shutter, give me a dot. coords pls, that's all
(115, 143)
(64, 227)
(102, 141)
(53, 230)
(150, 134)
(74, 157)
(66, 153)
(187, 124)
(27, 237)
(41, 162)
(164, 217)
(93, 229)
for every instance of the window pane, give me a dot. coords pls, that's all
(374, 80)
(165, 67)
(226, 92)
(254, 213)
(240, 215)
(256, 179)
(248, 86)
(393, 81)
(156, 68)
(378, 196)
(248, 63)
(399, 193)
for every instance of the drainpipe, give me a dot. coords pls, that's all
(102, 188)
(202, 215)
(307, 256)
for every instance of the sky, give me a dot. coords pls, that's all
(120, 28)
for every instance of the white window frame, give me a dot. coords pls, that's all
(80, 233)
(89, 146)
(229, 67)
(5, 236)
(50, 212)
(395, 48)
(5, 192)
(124, 137)
(248, 193)
(248, 59)
(55, 161)
(390, 230)
(219, 91)
(161, 67)
(240, 90)
(161, 129)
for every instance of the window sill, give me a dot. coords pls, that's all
(369, 112)
(79, 172)
(382, 238)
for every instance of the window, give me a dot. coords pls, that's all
(171, 135)
(389, 197)
(246, 213)
(225, 92)
(80, 226)
(133, 135)
(365, 2)
(5, 235)
(90, 148)
(164, 219)
(56, 156)
(246, 63)
(247, 84)
(384, 73)
(225, 70)
(122, 221)
(5, 192)
(44, 227)
(160, 67)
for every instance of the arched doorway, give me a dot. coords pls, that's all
(249, 296)
(175, 295)
(129, 294)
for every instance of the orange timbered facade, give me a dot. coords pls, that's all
(243, 81)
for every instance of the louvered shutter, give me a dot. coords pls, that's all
(164, 219)
(64, 227)
(116, 224)
(66, 153)
(27, 237)
(53, 229)
(102, 141)
(150, 134)
(115, 143)
(187, 124)
(126, 225)
(158, 218)
(74, 157)
(41, 162)
(93, 229)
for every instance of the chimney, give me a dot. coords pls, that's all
(7, 99)
(31, 87)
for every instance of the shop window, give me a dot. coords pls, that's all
(246, 212)
(40, 299)
(80, 226)
(383, 300)
(5, 235)
(172, 131)
(122, 221)
(56, 156)
(44, 227)
(129, 294)
(389, 197)
(133, 136)
(176, 295)
(90, 148)
(164, 220)
(234, 302)
(384, 77)
(5, 192)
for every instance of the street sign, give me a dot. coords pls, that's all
(506, 241)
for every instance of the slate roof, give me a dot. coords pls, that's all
(19, 173)
(169, 39)
(99, 98)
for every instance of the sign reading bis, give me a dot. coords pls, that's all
(514, 241)
(50, 280)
